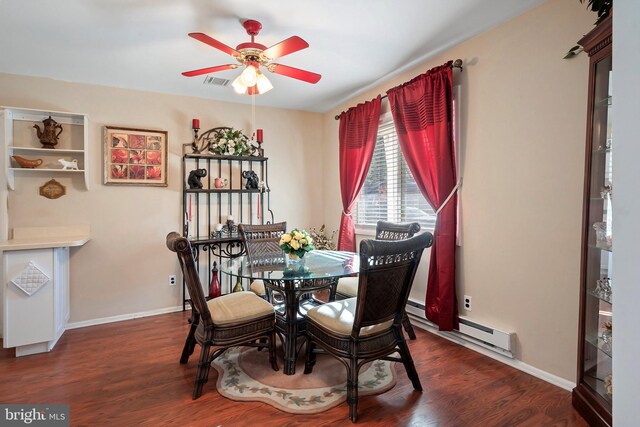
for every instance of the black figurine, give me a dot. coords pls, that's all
(253, 182)
(194, 178)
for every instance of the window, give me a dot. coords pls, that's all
(389, 192)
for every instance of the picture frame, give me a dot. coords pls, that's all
(135, 156)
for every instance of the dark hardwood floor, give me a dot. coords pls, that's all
(127, 374)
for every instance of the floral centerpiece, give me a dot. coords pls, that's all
(321, 240)
(230, 142)
(296, 243)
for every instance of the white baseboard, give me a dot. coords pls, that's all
(521, 366)
(121, 317)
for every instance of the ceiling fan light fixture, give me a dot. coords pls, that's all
(239, 86)
(263, 84)
(250, 75)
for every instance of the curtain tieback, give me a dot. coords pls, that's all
(456, 188)
(346, 214)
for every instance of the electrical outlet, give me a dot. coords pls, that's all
(172, 280)
(467, 302)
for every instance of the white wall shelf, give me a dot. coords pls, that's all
(42, 150)
(16, 140)
(36, 170)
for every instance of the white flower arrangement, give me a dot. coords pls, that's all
(321, 240)
(231, 142)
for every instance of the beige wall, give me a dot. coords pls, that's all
(523, 129)
(124, 268)
(523, 121)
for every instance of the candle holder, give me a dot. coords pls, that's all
(217, 233)
(258, 151)
(228, 229)
(194, 144)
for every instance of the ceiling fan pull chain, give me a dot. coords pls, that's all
(253, 116)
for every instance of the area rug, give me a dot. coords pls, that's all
(244, 374)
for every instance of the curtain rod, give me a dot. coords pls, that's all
(456, 64)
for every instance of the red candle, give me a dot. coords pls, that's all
(195, 124)
(259, 135)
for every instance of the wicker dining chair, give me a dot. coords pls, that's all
(348, 286)
(237, 319)
(369, 326)
(261, 241)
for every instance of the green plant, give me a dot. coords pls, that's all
(603, 9)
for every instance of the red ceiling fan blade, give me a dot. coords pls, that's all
(214, 43)
(285, 47)
(296, 73)
(209, 70)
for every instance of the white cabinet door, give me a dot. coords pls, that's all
(28, 319)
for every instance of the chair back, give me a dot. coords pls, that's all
(387, 270)
(182, 247)
(395, 231)
(262, 241)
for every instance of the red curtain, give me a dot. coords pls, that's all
(422, 112)
(358, 131)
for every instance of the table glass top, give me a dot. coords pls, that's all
(315, 264)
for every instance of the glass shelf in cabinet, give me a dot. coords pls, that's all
(597, 384)
(600, 297)
(600, 344)
(602, 150)
(597, 199)
(602, 248)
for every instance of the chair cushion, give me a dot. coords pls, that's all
(257, 287)
(338, 317)
(348, 286)
(238, 307)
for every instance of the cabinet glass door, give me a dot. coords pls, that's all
(598, 310)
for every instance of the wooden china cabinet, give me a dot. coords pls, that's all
(593, 394)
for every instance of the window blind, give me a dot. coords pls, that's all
(390, 193)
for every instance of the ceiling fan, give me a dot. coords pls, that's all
(254, 55)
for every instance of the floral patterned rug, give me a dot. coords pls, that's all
(244, 374)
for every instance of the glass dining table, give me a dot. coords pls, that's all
(293, 288)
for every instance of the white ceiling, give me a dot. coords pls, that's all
(143, 44)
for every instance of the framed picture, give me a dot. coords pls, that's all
(135, 156)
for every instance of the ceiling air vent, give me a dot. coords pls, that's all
(216, 81)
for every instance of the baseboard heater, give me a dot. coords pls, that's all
(490, 338)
